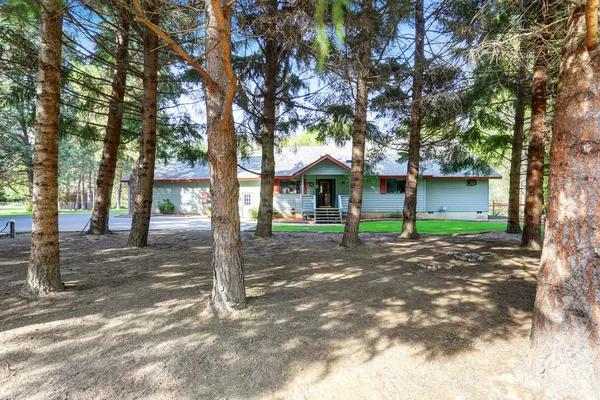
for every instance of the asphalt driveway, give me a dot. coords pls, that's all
(77, 222)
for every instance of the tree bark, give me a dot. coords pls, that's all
(142, 203)
(132, 187)
(409, 213)
(228, 292)
(565, 336)
(514, 192)
(534, 196)
(78, 195)
(112, 137)
(359, 134)
(119, 194)
(264, 226)
(43, 274)
(90, 192)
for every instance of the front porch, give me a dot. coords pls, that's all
(326, 214)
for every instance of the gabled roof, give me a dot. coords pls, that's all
(291, 162)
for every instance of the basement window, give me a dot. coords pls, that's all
(471, 182)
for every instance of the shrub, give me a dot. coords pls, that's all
(397, 214)
(253, 213)
(165, 206)
(209, 210)
(29, 207)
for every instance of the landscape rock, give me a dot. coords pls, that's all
(480, 258)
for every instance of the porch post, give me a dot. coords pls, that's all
(302, 185)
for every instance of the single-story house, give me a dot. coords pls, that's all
(313, 181)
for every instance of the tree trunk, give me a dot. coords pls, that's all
(228, 292)
(142, 203)
(90, 193)
(359, 134)
(43, 274)
(132, 187)
(112, 137)
(119, 194)
(78, 195)
(514, 192)
(264, 226)
(534, 196)
(409, 213)
(565, 336)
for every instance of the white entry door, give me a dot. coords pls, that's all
(247, 202)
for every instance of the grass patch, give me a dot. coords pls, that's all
(18, 210)
(430, 227)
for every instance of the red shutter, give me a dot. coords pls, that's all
(304, 185)
(276, 186)
(382, 188)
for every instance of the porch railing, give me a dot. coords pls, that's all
(309, 204)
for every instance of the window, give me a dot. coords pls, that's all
(247, 199)
(471, 182)
(289, 186)
(395, 185)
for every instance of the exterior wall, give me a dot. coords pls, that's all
(186, 196)
(252, 188)
(326, 167)
(377, 204)
(461, 201)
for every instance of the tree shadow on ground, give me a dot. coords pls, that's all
(134, 323)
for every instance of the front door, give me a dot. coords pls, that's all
(325, 192)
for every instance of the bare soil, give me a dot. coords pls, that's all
(323, 322)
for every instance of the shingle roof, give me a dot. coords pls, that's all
(290, 160)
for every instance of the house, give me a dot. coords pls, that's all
(313, 182)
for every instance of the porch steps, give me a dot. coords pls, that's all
(327, 215)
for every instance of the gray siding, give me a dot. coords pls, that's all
(287, 203)
(374, 201)
(326, 167)
(186, 196)
(455, 195)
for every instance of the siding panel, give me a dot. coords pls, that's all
(455, 195)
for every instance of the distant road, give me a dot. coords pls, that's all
(76, 222)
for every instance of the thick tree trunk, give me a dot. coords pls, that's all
(264, 226)
(409, 213)
(228, 292)
(359, 134)
(534, 196)
(112, 137)
(43, 274)
(514, 192)
(142, 202)
(565, 336)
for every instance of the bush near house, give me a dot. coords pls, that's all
(165, 206)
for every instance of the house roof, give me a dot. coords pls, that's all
(291, 162)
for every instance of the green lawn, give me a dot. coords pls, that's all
(18, 210)
(432, 227)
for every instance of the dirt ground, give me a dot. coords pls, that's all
(323, 322)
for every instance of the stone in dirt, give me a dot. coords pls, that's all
(480, 258)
